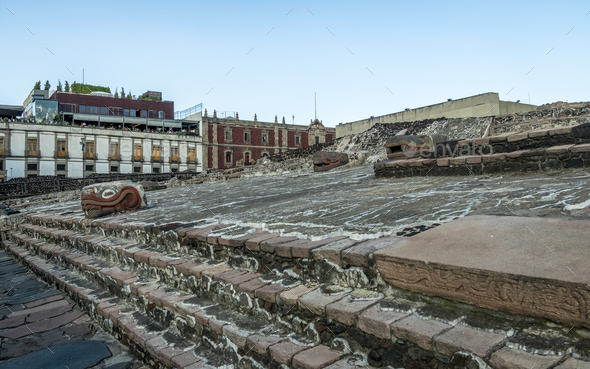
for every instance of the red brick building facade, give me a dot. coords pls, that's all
(228, 143)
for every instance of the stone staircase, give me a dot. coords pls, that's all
(212, 296)
(529, 151)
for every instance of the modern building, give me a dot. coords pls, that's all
(482, 105)
(229, 141)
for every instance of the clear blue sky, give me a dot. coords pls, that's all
(424, 52)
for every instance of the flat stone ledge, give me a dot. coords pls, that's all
(507, 358)
(572, 363)
(418, 331)
(500, 263)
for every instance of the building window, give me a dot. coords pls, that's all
(61, 167)
(228, 135)
(156, 153)
(174, 153)
(82, 109)
(247, 158)
(228, 157)
(191, 154)
(161, 114)
(137, 153)
(95, 110)
(31, 166)
(89, 150)
(136, 169)
(105, 110)
(174, 170)
(265, 138)
(61, 148)
(90, 168)
(144, 114)
(32, 147)
(317, 140)
(114, 168)
(297, 140)
(156, 170)
(126, 112)
(114, 151)
(247, 136)
(1, 147)
(131, 112)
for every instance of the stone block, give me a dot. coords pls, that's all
(316, 358)
(304, 248)
(218, 269)
(269, 292)
(418, 331)
(581, 148)
(359, 254)
(507, 358)
(572, 363)
(185, 359)
(462, 338)
(201, 234)
(251, 286)
(269, 245)
(482, 141)
(290, 296)
(332, 251)
(517, 137)
(346, 309)
(473, 160)
(516, 154)
(501, 138)
(538, 133)
(260, 344)
(253, 244)
(241, 241)
(236, 335)
(215, 325)
(457, 160)
(558, 150)
(315, 301)
(377, 322)
(283, 352)
(560, 131)
(443, 162)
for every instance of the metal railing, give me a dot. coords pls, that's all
(31, 187)
(178, 115)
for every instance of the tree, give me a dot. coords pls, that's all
(58, 88)
(37, 85)
(116, 93)
(129, 94)
(122, 93)
(67, 87)
(47, 86)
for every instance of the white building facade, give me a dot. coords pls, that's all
(29, 150)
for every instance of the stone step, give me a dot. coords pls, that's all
(334, 260)
(203, 331)
(530, 266)
(541, 159)
(418, 327)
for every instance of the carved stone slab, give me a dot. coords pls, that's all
(112, 197)
(497, 263)
(409, 146)
(324, 160)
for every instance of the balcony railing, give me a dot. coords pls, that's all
(174, 159)
(4, 152)
(36, 153)
(61, 155)
(114, 157)
(156, 158)
(192, 159)
(89, 155)
(137, 158)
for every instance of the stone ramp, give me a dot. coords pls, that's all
(530, 266)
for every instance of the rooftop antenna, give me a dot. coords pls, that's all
(315, 106)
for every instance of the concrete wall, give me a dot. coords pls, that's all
(482, 105)
(15, 135)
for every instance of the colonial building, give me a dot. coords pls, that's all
(229, 142)
(28, 150)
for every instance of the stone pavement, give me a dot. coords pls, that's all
(40, 328)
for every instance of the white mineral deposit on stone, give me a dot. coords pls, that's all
(582, 205)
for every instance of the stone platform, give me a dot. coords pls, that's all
(530, 266)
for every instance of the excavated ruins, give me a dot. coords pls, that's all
(426, 262)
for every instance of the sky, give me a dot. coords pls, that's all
(361, 58)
